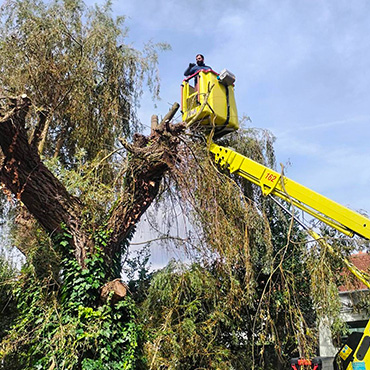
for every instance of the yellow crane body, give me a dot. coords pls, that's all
(355, 354)
(271, 182)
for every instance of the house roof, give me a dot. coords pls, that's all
(362, 262)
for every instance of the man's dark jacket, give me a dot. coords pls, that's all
(195, 68)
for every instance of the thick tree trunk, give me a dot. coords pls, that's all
(152, 157)
(30, 181)
(23, 173)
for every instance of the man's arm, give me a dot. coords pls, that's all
(188, 70)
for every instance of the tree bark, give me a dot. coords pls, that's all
(153, 156)
(23, 173)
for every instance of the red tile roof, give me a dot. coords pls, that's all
(362, 262)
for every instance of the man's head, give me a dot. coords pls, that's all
(200, 59)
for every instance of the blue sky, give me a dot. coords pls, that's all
(302, 69)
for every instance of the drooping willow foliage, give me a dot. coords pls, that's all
(255, 287)
(79, 71)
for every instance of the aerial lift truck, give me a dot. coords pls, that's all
(207, 101)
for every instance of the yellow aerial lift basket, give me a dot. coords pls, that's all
(207, 98)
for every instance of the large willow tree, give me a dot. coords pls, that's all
(78, 176)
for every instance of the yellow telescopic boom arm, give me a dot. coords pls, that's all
(271, 182)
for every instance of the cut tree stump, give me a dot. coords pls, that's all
(118, 288)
